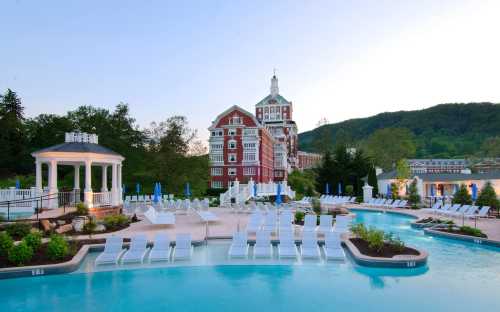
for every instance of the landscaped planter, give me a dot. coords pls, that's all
(467, 238)
(397, 261)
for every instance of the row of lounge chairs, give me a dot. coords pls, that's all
(336, 200)
(166, 217)
(272, 223)
(458, 210)
(114, 251)
(287, 247)
(386, 203)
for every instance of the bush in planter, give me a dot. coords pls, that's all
(462, 196)
(316, 206)
(18, 229)
(81, 209)
(20, 254)
(57, 248)
(375, 239)
(34, 240)
(6, 243)
(116, 221)
(299, 216)
(89, 227)
(472, 231)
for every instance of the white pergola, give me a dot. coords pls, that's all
(81, 149)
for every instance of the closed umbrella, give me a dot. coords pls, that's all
(155, 193)
(255, 190)
(187, 190)
(18, 184)
(340, 188)
(327, 188)
(278, 194)
(388, 192)
(474, 192)
(137, 188)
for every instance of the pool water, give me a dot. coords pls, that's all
(459, 277)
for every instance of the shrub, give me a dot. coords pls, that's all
(116, 221)
(375, 239)
(18, 229)
(462, 196)
(488, 197)
(398, 244)
(349, 190)
(6, 242)
(89, 227)
(413, 196)
(81, 209)
(34, 240)
(360, 230)
(316, 206)
(299, 216)
(472, 231)
(215, 191)
(20, 254)
(57, 248)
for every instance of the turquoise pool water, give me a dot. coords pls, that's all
(459, 277)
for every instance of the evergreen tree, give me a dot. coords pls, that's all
(462, 196)
(413, 196)
(488, 197)
(13, 152)
(372, 180)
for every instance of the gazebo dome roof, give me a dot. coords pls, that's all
(79, 143)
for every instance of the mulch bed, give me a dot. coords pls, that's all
(40, 257)
(388, 251)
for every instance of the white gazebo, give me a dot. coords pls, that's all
(81, 149)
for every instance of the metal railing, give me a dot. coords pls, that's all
(34, 204)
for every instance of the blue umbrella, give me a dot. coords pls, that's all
(389, 193)
(137, 188)
(340, 188)
(187, 190)
(278, 194)
(18, 184)
(155, 193)
(432, 191)
(327, 189)
(455, 189)
(159, 189)
(255, 190)
(474, 192)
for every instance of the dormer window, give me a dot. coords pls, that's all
(235, 120)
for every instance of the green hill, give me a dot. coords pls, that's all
(446, 130)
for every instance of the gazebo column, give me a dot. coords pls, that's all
(114, 185)
(53, 202)
(104, 183)
(38, 183)
(120, 186)
(76, 183)
(88, 195)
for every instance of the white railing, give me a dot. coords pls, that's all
(17, 194)
(244, 192)
(101, 199)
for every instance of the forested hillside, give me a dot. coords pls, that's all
(446, 130)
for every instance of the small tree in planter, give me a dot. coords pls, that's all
(462, 196)
(413, 196)
(81, 209)
(488, 197)
(316, 206)
(394, 191)
(349, 190)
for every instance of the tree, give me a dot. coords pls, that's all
(413, 196)
(488, 197)
(402, 173)
(302, 181)
(372, 180)
(491, 147)
(323, 140)
(13, 153)
(462, 196)
(394, 191)
(388, 145)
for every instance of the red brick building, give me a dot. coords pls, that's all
(261, 147)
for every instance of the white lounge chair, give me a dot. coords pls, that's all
(155, 217)
(285, 222)
(333, 247)
(460, 211)
(483, 213)
(309, 248)
(262, 247)
(287, 248)
(270, 222)
(239, 246)
(207, 216)
(341, 224)
(137, 249)
(183, 247)
(161, 248)
(325, 224)
(453, 209)
(310, 223)
(113, 250)
(254, 222)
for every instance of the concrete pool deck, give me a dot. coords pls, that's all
(229, 221)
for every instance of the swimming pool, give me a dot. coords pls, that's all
(459, 276)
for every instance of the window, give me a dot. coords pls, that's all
(249, 145)
(231, 171)
(216, 146)
(216, 172)
(231, 144)
(277, 109)
(217, 133)
(249, 171)
(235, 120)
(266, 116)
(232, 132)
(231, 157)
(266, 109)
(216, 157)
(249, 157)
(216, 184)
(271, 110)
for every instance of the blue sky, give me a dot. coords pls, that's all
(334, 59)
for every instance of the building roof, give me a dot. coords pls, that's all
(438, 177)
(229, 110)
(269, 100)
(78, 147)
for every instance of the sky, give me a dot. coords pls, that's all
(334, 59)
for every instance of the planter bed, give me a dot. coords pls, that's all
(387, 251)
